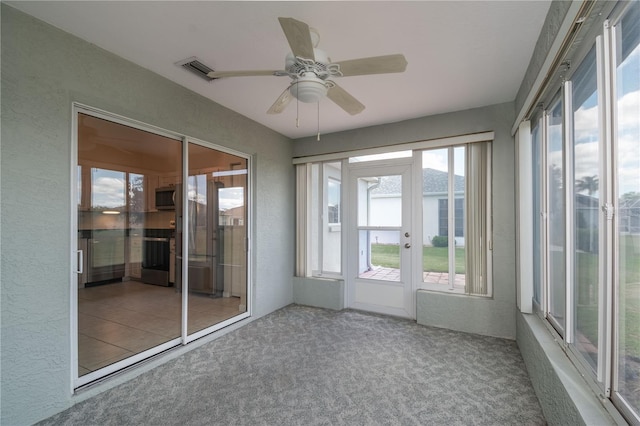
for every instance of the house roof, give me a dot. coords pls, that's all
(433, 181)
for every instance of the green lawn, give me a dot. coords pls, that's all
(587, 293)
(434, 259)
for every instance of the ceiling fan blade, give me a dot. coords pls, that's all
(299, 37)
(224, 74)
(373, 65)
(281, 103)
(344, 100)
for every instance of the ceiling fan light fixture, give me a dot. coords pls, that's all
(309, 88)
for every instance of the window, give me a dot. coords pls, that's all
(443, 217)
(319, 236)
(555, 206)
(586, 189)
(586, 211)
(627, 208)
(333, 201)
(455, 219)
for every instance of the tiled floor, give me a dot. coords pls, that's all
(392, 274)
(118, 320)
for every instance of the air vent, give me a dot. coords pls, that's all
(194, 65)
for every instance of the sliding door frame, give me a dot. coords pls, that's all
(75, 261)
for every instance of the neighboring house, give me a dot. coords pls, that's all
(385, 206)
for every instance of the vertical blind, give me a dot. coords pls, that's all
(477, 222)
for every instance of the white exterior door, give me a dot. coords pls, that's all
(379, 239)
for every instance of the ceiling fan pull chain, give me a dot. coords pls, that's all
(318, 121)
(297, 108)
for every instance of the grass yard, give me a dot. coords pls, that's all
(434, 259)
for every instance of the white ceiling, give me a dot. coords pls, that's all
(460, 54)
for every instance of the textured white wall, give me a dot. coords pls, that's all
(44, 70)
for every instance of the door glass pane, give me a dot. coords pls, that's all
(379, 255)
(628, 212)
(556, 231)
(379, 206)
(216, 243)
(586, 208)
(126, 304)
(380, 201)
(443, 260)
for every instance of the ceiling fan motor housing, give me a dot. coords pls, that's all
(309, 88)
(309, 75)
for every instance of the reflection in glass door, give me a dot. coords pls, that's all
(126, 305)
(380, 260)
(216, 237)
(137, 216)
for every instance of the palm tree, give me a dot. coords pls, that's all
(588, 183)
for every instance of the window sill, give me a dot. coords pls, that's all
(562, 391)
(445, 289)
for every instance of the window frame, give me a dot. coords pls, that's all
(603, 379)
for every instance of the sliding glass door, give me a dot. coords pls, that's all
(161, 238)
(215, 238)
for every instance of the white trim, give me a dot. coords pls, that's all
(451, 214)
(102, 373)
(608, 296)
(546, 69)
(426, 144)
(525, 218)
(73, 277)
(184, 332)
(569, 225)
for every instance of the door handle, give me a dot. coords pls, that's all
(80, 260)
(407, 245)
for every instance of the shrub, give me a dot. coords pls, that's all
(440, 241)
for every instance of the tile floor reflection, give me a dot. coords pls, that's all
(118, 320)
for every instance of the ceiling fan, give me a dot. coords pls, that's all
(312, 71)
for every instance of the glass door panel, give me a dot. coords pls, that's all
(126, 304)
(216, 237)
(381, 256)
